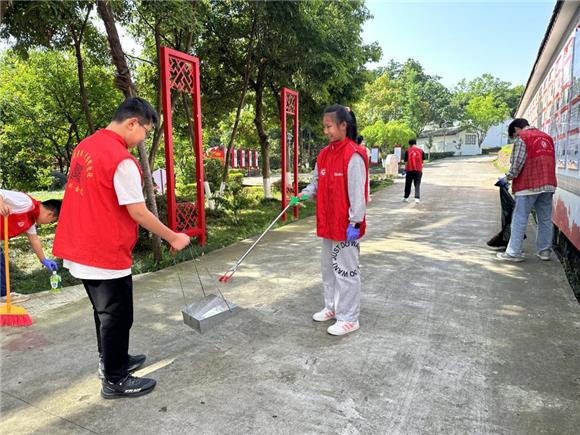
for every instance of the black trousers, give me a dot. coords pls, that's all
(415, 178)
(112, 301)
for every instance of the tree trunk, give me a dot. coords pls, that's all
(123, 77)
(82, 88)
(259, 123)
(248, 67)
(81, 71)
(125, 84)
(4, 5)
(158, 135)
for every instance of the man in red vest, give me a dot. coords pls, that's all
(24, 213)
(102, 208)
(533, 174)
(413, 158)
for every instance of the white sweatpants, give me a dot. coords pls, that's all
(341, 278)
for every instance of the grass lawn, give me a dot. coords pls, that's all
(223, 228)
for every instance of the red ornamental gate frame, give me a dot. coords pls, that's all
(180, 72)
(288, 106)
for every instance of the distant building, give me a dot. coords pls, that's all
(461, 141)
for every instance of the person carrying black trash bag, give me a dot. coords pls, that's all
(501, 239)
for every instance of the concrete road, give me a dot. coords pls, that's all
(452, 341)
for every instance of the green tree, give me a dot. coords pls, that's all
(404, 92)
(55, 25)
(502, 91)
(42, 120)
(483, 112)
(387, 135)
(314, 47)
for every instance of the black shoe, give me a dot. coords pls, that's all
(129, 386)
(135, 361)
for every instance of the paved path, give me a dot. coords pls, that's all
(451, 340)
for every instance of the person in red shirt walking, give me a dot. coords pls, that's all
(24, 214)
(102, 208)
(413, 158)
(340, 183)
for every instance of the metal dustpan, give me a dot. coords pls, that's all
(208, 312)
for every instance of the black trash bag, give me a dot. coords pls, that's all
(501, 239)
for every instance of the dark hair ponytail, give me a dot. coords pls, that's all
(342, 114)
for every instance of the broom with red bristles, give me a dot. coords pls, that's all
(11, 315)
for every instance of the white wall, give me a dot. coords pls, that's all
(449, 144)
(496, 135)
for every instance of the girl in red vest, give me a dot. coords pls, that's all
(24, 213)
(340, 183)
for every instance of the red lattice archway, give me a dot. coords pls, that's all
(180, 72)
(288, 106)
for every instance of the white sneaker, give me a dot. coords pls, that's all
(323, 316)
(417, 200)
(405, 199)
(507, 257)
(545, 255)
(341, 327)
(15, 298)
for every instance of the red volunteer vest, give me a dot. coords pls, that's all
(414, 159)
(93, 229)
(19, 223)
(540, 166)
(332, 202)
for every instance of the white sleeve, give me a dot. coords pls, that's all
(312, 188)
(357, 177)
(127, 181)
(19, 202)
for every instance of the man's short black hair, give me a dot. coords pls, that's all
(53, 205)
(413, 142)
(516, 123)
(135, 107)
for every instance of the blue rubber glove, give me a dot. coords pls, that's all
(49, 264)
(503, 182)
(352, 233)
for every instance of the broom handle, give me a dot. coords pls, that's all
(6, 265)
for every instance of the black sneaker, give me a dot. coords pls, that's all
(135, 361)
(129, 386)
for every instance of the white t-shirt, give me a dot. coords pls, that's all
(127, 181)
(19, 203)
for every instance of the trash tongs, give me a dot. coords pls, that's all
(295, 200)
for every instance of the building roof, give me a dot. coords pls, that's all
(440, 132)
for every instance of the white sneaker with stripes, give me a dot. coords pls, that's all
(324, 315)
(341, 327)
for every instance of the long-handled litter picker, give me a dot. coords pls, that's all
(295, 200)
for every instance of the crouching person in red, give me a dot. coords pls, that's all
(101, 210)
(340, 183)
